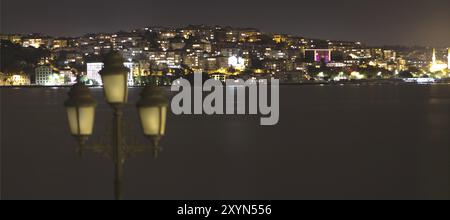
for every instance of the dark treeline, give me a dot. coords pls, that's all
(15, 59)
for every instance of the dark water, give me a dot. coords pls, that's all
(332, 142)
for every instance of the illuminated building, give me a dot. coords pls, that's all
(56, 79)
(168, 34)
(165, 44)
(336, 65)
(123, 40)
(232, 36)
(164, 59)
(230, 51)
(202, 46)
(193, 61)
(276, 65)
(278, 38)
(74, 57)
(236, 62)
(43, 74)
(401, 64)
(275, 54)
(131, 53)
(36, 41)
(281, 38)
(133, 71)
(389, 54)
(93, 70)
(2, 79)
(219, 76)
(319, 55)
(4, 37)
(59, 43)
(177, 45)
(360, 53)
(211, 63)
(377, 53)
(32, 42)
(14, 38)
(356, 75)
(48, 76)
(200, 31)
(17, 79)
(217, 62)
(342, 45)
(437, 66)
(249, 35)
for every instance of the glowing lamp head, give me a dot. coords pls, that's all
(152, 112)
(80, 109)
(114, 78)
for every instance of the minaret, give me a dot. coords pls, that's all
(434, 57)
(448, 58)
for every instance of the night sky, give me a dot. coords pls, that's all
(374, 22)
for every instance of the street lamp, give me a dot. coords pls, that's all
(114, 78)
(80, 109)
(152, 111)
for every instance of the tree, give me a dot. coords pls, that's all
(266, 40)
(152, 39)
(190, 77)
(405, 74)
(61, 59)
(15, 58)
(256, 62)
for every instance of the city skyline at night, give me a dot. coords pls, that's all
(165, 53)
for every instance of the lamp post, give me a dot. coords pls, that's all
(115, 87)
(152, 113)
(152, 109)
(80, 109)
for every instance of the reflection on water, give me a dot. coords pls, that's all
(332, 142)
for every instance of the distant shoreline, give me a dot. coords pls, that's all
(305, 83)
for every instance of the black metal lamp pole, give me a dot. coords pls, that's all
(118, 155)
(115, 86)
(152, 111)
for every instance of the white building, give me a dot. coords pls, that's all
(17, 80)
(93, 70)
(131, 66)
(237, 62)
(43, 74)
(46, 75)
